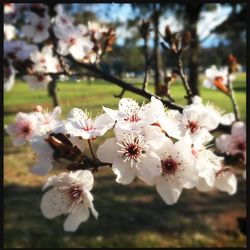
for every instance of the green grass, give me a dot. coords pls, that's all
(130, 216)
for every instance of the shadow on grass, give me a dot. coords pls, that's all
(126, 214)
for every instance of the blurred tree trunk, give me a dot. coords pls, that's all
(193, 12)
(53, 92)
(156, 50)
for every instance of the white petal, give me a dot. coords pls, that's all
(63, 48)
(77, 114)
(227, 119)
(203, 186)
(239, 129)
(113, 114)
(41, 36)
(41, 147)
(56, 113)
(18, 141)
(124, 173)
(86, 177)
(155, 136)
(169, 191)
(107, 151)
(77, 52)
(52, 204)
(150, 166)
(103, 120)
(223, 143)
(81, 214)
(126, 104)
(226, 182)
(42, 167)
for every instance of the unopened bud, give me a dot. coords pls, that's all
(38, 108)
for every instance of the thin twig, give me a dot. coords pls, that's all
(232, 98)
(147, 62)
(91, 149)
(121, 94)
(183, 78)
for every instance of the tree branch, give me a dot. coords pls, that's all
(183, 78)
(52, 91)
(232, 98)
(124, 85)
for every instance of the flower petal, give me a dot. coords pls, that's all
(226, 182)
(86, 177)
(107, 151)
(42, 167)
(150, 166)
(72, 222)
(124, 173)
(52, 204)
(169, 191)
(203, 186)
(223, 143)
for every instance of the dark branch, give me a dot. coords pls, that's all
(183, 78)
(124, 85)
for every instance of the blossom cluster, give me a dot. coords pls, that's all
(39, 48)
(162, 148)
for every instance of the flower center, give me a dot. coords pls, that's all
(132, 149)
(75, 193)
(40, 27)
(241, 146)
(132, 118)
(42, 61)
(169, 166)
(193, 126)
(26, 129)
(88, 125)
(72, 41)
(40, 78)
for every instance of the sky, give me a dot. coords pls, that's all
(121, 12)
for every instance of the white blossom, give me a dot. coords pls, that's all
(131, 116)
(131, 154)
(9, 31)
(44, 61)
(80, 124)
(72, 42)
(48, 121)
(37, 27)
(24, 128)
(9, 77)
(217, 78)
(37, 81)
(178, 170)
(18, 50)
(235, 143)
(70, 194)
(225, 181)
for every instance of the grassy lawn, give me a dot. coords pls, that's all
(130, 216)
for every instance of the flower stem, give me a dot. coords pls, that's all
(232, 98)
(91, 149)
(184, 79)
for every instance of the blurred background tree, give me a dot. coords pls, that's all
(127, 56)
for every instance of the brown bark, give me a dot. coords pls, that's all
(53, 93)
(193, 12)
(156, 50)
